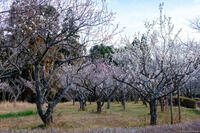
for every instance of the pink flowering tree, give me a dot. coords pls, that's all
(77, 92)
(96, 78)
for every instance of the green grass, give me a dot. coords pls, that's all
(19, 114)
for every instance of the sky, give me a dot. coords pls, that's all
(132, 14)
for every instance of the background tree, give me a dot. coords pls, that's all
(102, 51)
(191, 87)
(96, 78)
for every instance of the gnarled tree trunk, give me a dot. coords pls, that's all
(47, 117)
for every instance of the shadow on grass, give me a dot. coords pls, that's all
(19, 114)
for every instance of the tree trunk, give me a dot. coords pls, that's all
(144, 102)
(136, 99)
(108, 104)
(123, 99)
(171, 108)
(114, 99)
(153, 114)
(162, 104)
(47, 118)
(99, 107)
(82, 105)
(73, 100)
(3, 96)
(15, 101)
(179, 106)
(118, 100)
(167, 102)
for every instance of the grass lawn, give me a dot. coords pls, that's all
(68, 117)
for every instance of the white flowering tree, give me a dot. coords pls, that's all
(157, 61)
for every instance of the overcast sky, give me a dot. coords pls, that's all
(132, 14)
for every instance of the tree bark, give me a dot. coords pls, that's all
(82, 105)
(171, 108)
(118, 99)
(153, 114)
(167, 103)
(47, 118)
(4, 96)
(162, 104)
(179, 106)
(108, 104)
(144, 102)
(99, 106)
(123, 99)
(136, 99)
(90, 101)
(73, 100)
